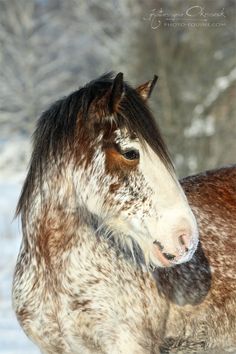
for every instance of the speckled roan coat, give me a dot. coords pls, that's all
(77, 292)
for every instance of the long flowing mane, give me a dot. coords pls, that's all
(56, 127)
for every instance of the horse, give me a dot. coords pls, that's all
(117, 255)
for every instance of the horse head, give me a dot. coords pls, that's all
(121, 172)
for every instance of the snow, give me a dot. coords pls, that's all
(12, 338)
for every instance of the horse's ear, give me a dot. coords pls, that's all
(145, 89)
(116, 92)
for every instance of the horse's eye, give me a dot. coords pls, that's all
(131, 154)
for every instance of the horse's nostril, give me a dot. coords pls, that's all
(169, 256)
(184, 241)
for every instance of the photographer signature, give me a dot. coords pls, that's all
(193, 13)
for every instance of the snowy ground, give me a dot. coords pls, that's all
(12, 338)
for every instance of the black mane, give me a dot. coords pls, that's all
(57, 125)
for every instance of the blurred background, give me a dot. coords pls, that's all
(49, 48)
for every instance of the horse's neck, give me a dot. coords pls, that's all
(54, 226)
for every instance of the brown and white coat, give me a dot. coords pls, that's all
(104, 219)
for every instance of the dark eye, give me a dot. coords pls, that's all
(131, 154)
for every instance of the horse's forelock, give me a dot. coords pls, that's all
(129, 110)
(137, 117)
